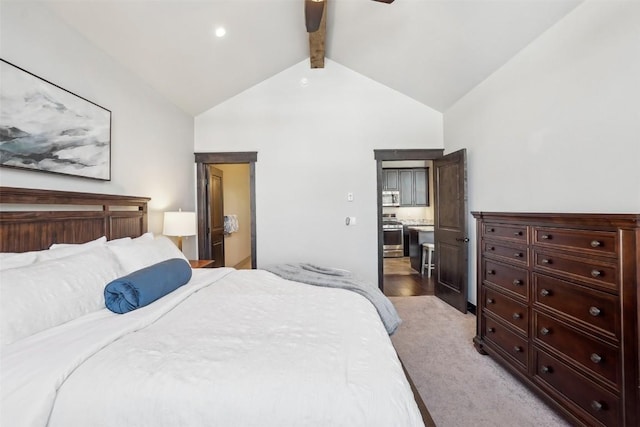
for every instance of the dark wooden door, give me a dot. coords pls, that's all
(451, 239)
(216, 216)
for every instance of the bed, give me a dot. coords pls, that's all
(228, 348)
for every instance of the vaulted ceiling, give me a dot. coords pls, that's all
(433, 51)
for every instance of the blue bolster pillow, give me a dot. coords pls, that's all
(144, 286)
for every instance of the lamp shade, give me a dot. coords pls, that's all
(179, 224)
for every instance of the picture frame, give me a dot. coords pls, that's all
(46, 128)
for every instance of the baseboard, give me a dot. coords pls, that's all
(424, 412)
(471, 308)
(244, 261)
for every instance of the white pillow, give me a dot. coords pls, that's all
(92, 243)
(146, 236)
(121, 241)
(127, 240)
(15, 260)
(49, 293)
(64, 250)
(144, 252)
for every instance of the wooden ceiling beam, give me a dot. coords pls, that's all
(317, 42)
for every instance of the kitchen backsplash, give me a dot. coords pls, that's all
(412, 215)
(417, 221)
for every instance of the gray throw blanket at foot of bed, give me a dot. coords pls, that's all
(334, 278)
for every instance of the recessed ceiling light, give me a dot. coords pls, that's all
(220, 32)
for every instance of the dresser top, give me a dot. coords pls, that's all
(584, 219)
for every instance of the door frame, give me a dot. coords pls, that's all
(388, 155)
(203, 160)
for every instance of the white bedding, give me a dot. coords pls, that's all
(231, 348)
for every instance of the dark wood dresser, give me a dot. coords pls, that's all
(558, 306)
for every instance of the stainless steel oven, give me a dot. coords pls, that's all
(393, 239)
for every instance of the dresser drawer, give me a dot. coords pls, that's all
(511, 311)
(594, 400)
(597, 242)
(513, 253)
(510, 343)
(598, 272)
(594, 355)
(511, 278)
(594, 308)
(502, 231)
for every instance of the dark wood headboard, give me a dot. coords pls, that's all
(67, 217)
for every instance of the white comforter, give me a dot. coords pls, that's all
(231, 348)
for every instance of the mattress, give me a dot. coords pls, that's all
(230, 348)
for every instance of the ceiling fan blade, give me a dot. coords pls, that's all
(313, 14)
(384, 1)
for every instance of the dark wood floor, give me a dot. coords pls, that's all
(400, 280)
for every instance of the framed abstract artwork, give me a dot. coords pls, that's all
(46, 128)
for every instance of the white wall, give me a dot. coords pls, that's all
(236, 193)
(557, 129)
(315, 143)
(151, 140)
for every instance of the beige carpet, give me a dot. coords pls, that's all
(460, 386)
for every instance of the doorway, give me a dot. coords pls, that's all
(450, 221)
(407, 221)
(246, 221)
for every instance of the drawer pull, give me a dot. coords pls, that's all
(545, 293)
(490, 301)
(545, 331)
(596, 243)
(546, 261)
(492, 248)
(518, 255)
(516, 316)
(596, 406)
(546, 369)
(596, 273)
(491, 330)
(546, 237)
(517, 282)
(594, 311)
(596, 358)
(490, 272)
(518, 233)
(491, 230)
(517, 349)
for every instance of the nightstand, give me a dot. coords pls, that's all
(201, 263)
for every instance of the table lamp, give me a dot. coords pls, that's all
(179, 224)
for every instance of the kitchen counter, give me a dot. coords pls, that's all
(417, 236)
(417, 224)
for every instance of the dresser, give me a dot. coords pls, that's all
(558, 299)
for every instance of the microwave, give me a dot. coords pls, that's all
(390, 198)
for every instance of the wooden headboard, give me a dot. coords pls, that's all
(67, 217)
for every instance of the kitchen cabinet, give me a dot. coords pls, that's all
(412, 183)
(406, 187)
(390, 179)
(421, 187)
(405, 240)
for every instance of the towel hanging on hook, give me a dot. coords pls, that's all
(230, 224)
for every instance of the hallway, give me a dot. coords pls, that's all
(400, 280)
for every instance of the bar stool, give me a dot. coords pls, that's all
(427, 258)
